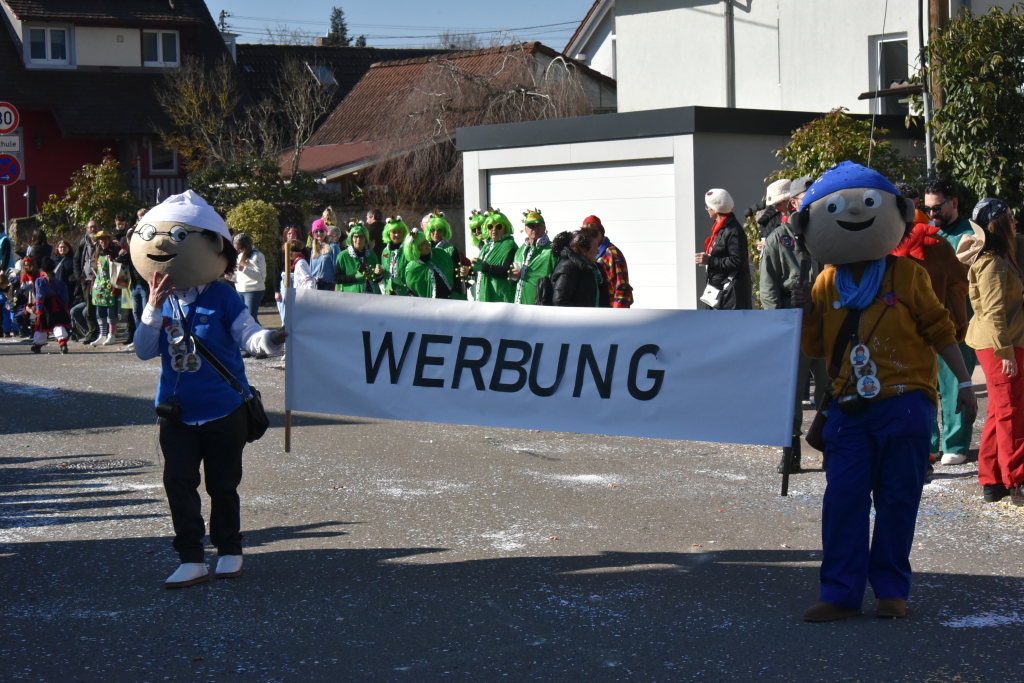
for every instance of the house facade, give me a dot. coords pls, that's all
(790, 55)
(83, 76)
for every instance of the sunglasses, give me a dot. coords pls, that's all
(937, 207)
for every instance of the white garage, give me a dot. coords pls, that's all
(644, 174)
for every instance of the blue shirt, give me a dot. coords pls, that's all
(204, 395)
(322, 267)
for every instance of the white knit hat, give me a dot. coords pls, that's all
(777, 192)
(719, 201)
(188, 208)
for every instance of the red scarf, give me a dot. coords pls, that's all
(914, 243)
(296, 257)
(719, 222)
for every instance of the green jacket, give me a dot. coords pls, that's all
(347, 267)
(534, 262)
(447, 247)
(393, 263)
(494, 260)
(780, 268)
(422, 278)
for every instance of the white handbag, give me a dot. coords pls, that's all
(712, 295)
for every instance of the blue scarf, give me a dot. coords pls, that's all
(859, 297)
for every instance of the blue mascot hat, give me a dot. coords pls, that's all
(843, 176)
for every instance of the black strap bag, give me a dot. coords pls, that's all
(258, 420)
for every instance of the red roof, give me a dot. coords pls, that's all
(388, 84)
(323, 158)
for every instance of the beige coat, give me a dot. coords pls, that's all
(997, 296)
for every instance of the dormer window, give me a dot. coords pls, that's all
(160, 48)
(48, 45)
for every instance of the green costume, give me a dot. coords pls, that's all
(424, 277)
(353, 270)
(102, 290)
(492, 283)
(956, 432)
(437, 223)
(393, 260)
(533, 262)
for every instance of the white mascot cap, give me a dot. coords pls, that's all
(190, 209)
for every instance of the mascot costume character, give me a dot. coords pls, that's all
(876, 425)
(182, 247)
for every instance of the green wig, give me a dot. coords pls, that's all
(476, 219)
(495, 216)
(411, 246)
(358, 229)
(395, 224)
(438, 222)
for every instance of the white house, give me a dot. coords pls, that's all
(797, 55)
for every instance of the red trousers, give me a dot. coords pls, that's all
(1001, 457)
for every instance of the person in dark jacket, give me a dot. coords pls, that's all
(85, 255)
(725, 254)
(577, 280)
(64, 264)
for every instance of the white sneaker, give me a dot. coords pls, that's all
(130, 347)
(188, 574)
(110, 340)
(98, 341)
(953, 458)
(229, 566)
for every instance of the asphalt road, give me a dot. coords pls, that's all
(389, 551)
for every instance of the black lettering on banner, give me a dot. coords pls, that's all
(372, 368)
(563, 357)
(657, 375)
(604, 384)
(473, 365)
(422, 359)
(501, 364)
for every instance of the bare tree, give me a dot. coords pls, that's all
(283, 34)
(201, 104)
(304, 93)
(418, 161)
(452, 40)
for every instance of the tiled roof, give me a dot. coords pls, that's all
(102, 103)
(259, 65)
(102, 11)
(386, 85)
(323, 158)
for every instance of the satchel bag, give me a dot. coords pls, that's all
(712, 295)
(258, 420)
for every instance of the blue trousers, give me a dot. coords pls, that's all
(882, 456)
(252, 302)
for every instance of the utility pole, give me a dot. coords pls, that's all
(222, 20)
(938, 16)
(730, 56)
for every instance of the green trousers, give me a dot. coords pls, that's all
(956, 432)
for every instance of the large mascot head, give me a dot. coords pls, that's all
(184, 238)
(853, 214)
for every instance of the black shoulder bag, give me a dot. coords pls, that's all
(258, 420)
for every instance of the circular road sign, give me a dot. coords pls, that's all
(9, 118)
(10, 169)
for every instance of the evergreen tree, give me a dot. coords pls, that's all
(337, 36)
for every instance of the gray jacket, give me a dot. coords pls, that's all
(780, 268)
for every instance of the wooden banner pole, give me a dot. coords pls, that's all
(287, 286)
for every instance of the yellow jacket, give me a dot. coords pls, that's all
(997, 296)
(903, 342)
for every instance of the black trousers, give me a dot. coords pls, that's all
(218, 446)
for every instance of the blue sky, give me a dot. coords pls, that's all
(408, 23)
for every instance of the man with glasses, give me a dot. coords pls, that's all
(942, 206)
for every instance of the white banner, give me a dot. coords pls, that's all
(724, 376)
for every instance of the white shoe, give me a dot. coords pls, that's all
(229, 566)
(110, 340)
(953, 458)
(130, 347)
(188, 574)
(98, 341)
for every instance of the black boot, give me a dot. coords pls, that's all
(795, 468)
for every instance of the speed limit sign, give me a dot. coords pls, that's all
(8, 118)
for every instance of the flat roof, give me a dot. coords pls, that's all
(657, 123)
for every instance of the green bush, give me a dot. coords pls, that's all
(258, 219)
(97, 191)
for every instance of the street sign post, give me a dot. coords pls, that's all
(10, 173)
(9, 118)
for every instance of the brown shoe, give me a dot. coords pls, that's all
(826, 611)
(891, 608)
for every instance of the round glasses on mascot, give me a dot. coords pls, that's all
(855, 224)
(190, 255)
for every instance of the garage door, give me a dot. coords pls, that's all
(635, 201)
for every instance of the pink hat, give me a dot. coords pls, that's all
(319, 224)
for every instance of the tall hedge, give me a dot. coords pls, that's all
(258, 219)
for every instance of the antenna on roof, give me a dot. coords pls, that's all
(222, 19)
